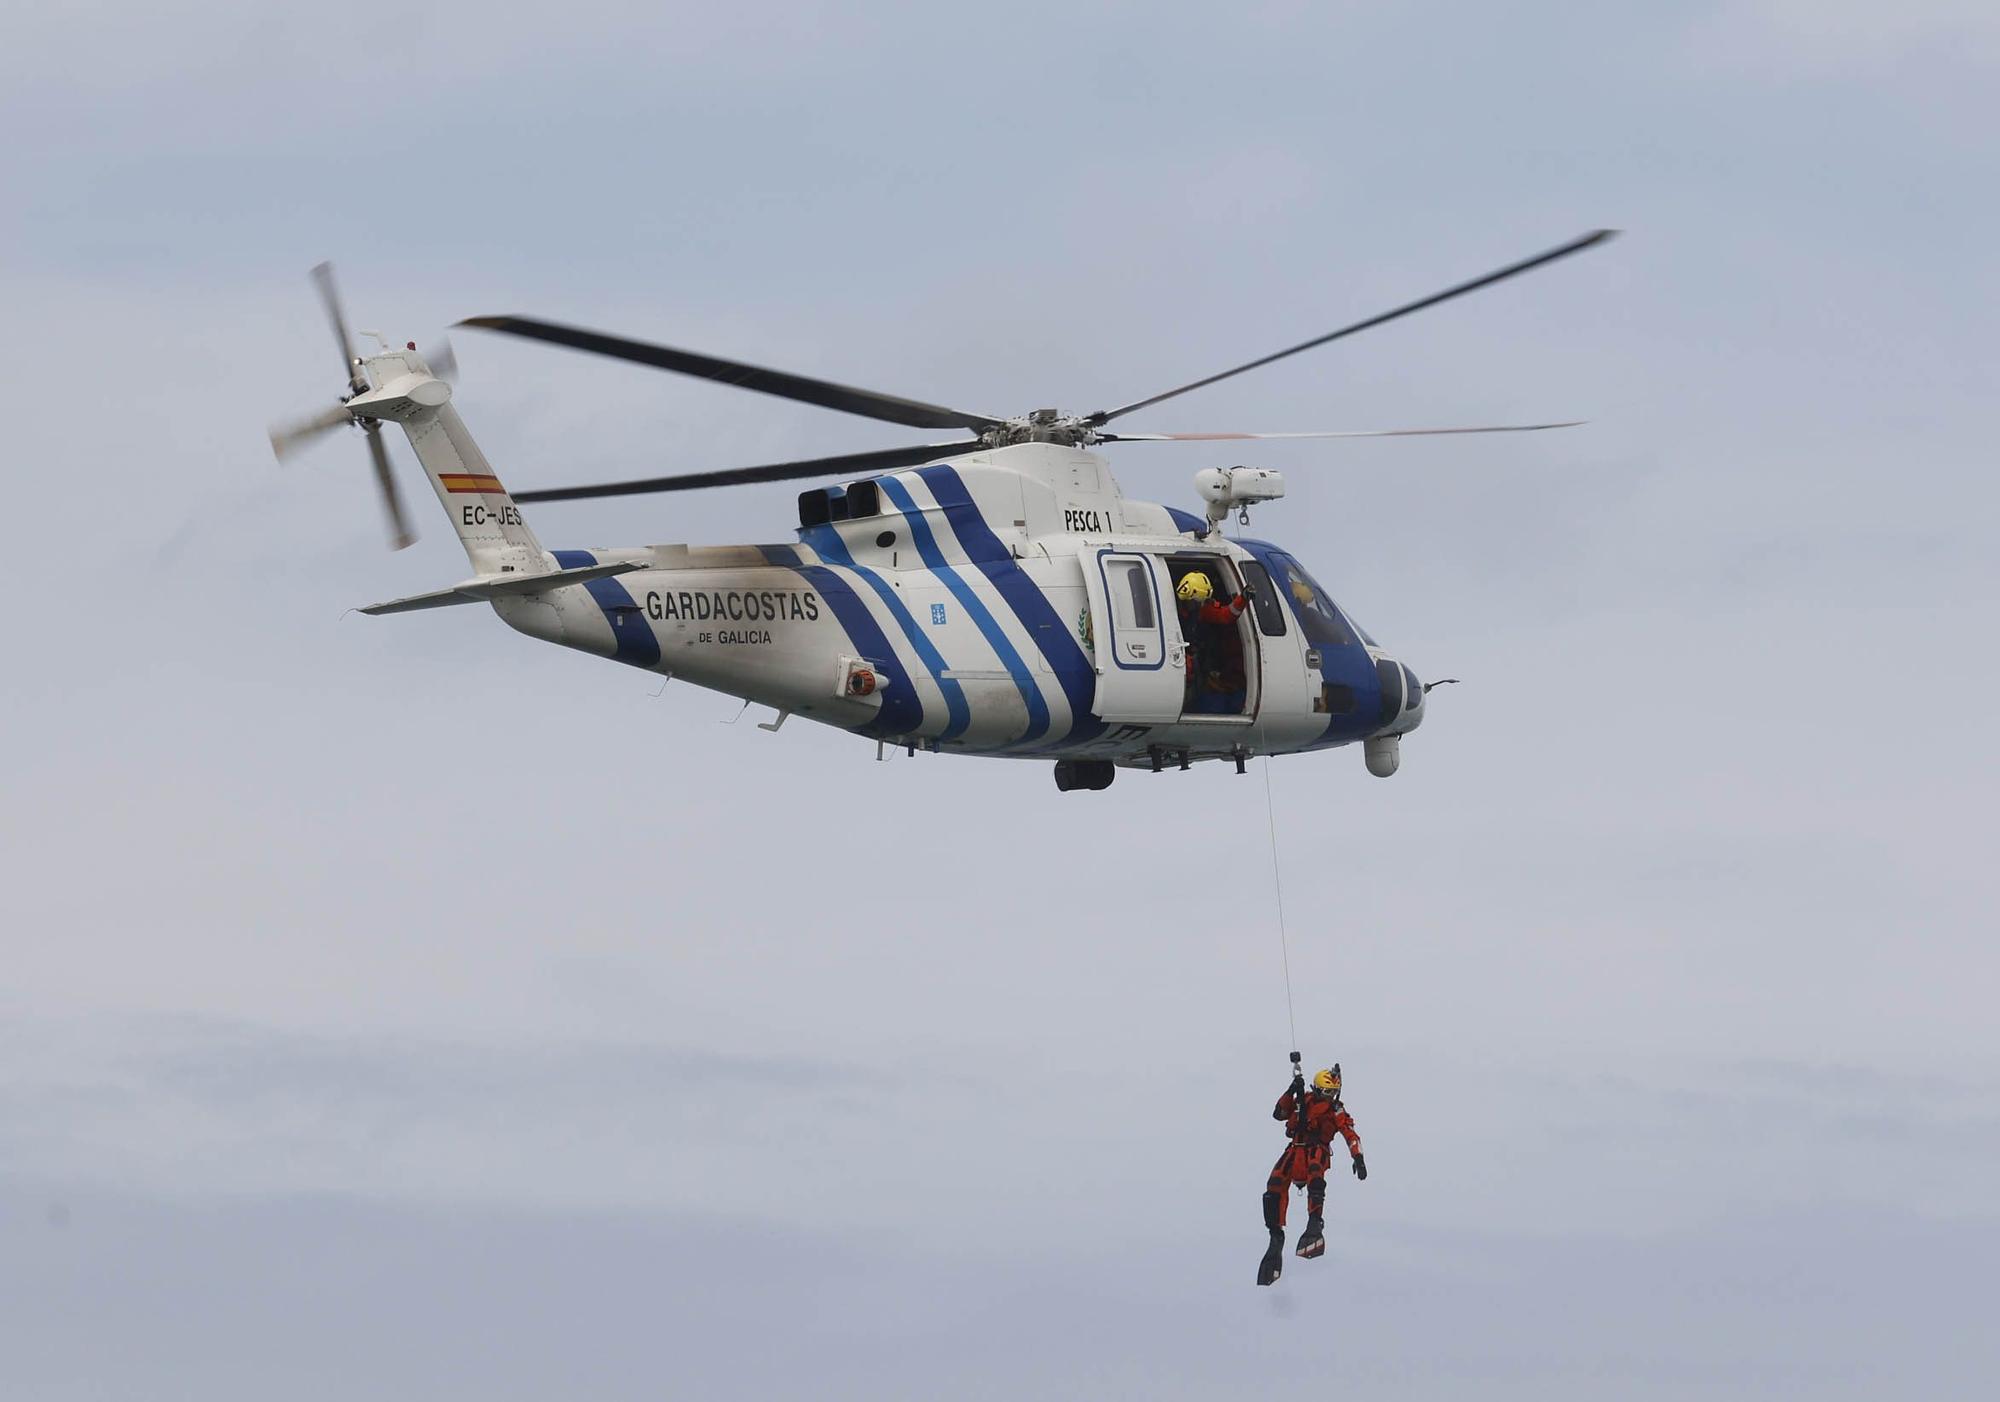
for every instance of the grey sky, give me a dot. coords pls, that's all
(393, 1008)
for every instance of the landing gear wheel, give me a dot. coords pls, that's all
(1084, 774)
(1273, 1264)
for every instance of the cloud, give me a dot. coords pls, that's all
(222, 1107)
(1850, 38)
(232, 1299)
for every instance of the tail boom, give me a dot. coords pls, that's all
(482, 513)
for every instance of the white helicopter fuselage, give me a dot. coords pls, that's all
(1010, 602)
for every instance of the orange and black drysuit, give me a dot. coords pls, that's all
(1305, 1158)
(1216, 614)
(1215, 676)
(1216, 611)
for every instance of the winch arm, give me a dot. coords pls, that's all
(1228, 489)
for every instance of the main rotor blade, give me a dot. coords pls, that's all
(866, 402)
(289, 437)
(322, 274)
(1573, 246)
(400, 533)
(880, 460)
(1345, 433)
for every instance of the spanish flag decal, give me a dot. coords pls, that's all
(471, 482)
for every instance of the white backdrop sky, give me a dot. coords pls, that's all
(390, 1008)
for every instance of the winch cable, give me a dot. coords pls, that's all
(1278, 890)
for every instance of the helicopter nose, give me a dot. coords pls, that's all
(1413, 700)
(1402, 696)
(1402, 712)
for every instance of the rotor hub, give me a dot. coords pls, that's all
(1042, 426)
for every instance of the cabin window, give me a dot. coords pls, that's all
(1133, 592)
(1131, 634)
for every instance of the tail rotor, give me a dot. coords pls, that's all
(401, 532)
(292, 436)
(329, 296)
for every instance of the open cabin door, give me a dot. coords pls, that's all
(1141, 657)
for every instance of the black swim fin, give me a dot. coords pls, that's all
(1273, 1264)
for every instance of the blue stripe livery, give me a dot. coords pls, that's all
(826, 541)
(629, 630)
(1340, 664)
(1031, 606)
(902, 711)
(996, 637)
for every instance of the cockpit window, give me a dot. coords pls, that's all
(1264, 599)
(1317, 611)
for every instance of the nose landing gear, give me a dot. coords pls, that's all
(1084, 774)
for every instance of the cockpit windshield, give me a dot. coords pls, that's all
(1321, 617)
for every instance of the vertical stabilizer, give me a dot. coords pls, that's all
(487, 521)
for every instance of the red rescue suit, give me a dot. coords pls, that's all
(1214, 612)
(1305, 1158)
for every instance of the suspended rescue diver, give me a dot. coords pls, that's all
(1312, 1118)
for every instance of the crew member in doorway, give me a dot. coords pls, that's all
(1215, 679)
(1312, 1118)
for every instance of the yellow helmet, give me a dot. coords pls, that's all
(1194, 588)
(1327, 1082)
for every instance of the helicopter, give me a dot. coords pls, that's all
(996, 595)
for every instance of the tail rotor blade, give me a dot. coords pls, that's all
(288, 438)
(400, 533)
(329, 294)
(292, 437)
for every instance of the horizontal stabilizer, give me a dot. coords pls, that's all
(488, 587)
